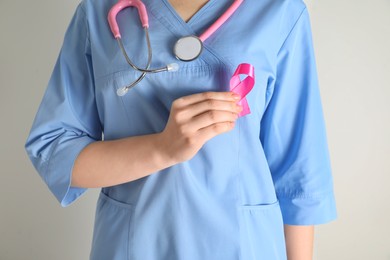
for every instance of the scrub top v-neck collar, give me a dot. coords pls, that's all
(194, 17)
(166, 14)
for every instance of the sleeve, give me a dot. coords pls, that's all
(293, 133)
(67, 119)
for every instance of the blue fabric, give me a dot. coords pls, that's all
(231, 200)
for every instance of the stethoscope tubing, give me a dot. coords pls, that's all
(221, 20)
(124, 90)
(146, 70)
(122, 4)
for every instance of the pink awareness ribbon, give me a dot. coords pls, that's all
(243, 87)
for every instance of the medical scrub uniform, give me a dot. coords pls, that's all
(231, 199)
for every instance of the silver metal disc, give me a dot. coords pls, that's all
(188, 48)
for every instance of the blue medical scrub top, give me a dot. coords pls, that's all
(231, 199)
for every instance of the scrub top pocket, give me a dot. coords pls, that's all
(111, 238)
(262, 234)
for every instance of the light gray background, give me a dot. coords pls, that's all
(352, 41)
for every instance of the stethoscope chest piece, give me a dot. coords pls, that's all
(188, 48)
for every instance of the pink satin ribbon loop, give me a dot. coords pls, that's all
(243, 87)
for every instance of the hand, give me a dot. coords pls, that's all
(194, 120)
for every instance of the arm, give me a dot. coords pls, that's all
(107, 163)
(294, 140)
(65, 144)
(299, 242)
(193, 120)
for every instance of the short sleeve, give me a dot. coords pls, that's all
(67, 119)
(293, 133)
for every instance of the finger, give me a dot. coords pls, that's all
(212, 105)
(210, 118)
(196, 98)
(213, 130)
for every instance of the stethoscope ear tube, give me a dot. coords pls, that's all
(168, 67)
(186, 49)
(122, 4)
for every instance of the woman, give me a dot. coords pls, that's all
(182, 175)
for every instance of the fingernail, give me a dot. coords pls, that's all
(236, 96)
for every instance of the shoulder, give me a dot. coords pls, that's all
(290, 8)
(95, 11)
(280, 16)
(288, 15)
(291, 5)
(96, 6)
(289, 12)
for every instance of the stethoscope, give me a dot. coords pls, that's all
(187, 48)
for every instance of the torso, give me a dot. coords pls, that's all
(221, 204)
